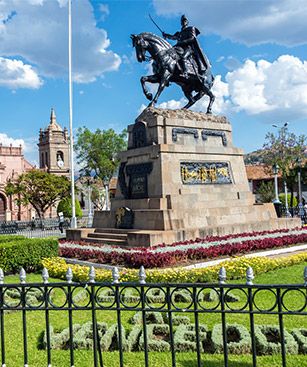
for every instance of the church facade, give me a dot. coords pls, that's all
(53, 150)
(12, 164)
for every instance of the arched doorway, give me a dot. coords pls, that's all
(2, 207)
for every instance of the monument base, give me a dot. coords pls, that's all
(181, 178)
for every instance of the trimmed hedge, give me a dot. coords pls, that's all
(238, 339)
(300, 335)
(268, 340)
(26, 253)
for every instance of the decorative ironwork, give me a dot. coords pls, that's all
(162, 303)
(205, 173)
(208, 132)
(182, 130)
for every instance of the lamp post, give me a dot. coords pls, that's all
(300, 199)
(106, 182)
(73, 223)
(275, 172)
(288, 214)
(90, 212)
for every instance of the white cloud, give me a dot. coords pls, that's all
(250, 22)
(104, 10)
(15, 74)
(36, 31)
(262, 86)
(274, 90)
(5, 140)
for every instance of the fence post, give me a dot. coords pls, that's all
(142, 281)
(222, 281)
(249, 281)
(116, 276)
(2, 320)
(23, 277)
(69, 277)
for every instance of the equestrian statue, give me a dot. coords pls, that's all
(184, 64)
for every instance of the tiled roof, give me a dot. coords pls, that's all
(259, 172)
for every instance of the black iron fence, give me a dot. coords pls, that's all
(175, 302)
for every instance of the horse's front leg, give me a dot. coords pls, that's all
(212, 98)
(163, 83)
(150, 79)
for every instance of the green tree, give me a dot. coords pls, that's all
(285, 149)
(65, 207)
(266, 192)
(97, 151)
(40, 189)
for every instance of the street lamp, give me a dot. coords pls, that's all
(106, 182)
(300, 199)
(288, 214)
(90, 212)
(275, 172)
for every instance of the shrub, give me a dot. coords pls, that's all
(238, 339)
(300, 335)
(282, 198)
(155, 335)
(151, 318)
(268, 340)
(26, 253)
(185, 338)
(64, 206)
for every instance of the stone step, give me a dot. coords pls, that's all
(109, 235)
(105, 240)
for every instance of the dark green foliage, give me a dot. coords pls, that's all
(39, 188)
(65, 207)
(238, 339)
(266, 192)
(300, 335)
(268, 340)
(26, 253)
(97, 151)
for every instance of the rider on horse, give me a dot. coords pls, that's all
(187, 45)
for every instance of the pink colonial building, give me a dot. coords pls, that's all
(12, 164)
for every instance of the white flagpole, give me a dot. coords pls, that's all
(73, 223)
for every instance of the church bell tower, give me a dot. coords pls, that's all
(54, 148)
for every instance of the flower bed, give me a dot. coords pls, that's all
(57, 268)
(199, 249)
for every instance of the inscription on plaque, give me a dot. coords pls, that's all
(205, 173)
(138, 178)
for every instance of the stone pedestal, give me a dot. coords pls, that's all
(182, 178)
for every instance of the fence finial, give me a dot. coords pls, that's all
(1, 276)
(305, 275)
(115, 275)
(142, 275)
(22, 276)
(249, 275)
(69, 275)
(222, 275)
(92, 274)
(45, 275)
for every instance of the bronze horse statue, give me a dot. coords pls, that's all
(166, 68)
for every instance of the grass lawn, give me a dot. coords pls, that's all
(83, 358)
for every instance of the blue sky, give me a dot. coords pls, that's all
(257, 49)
